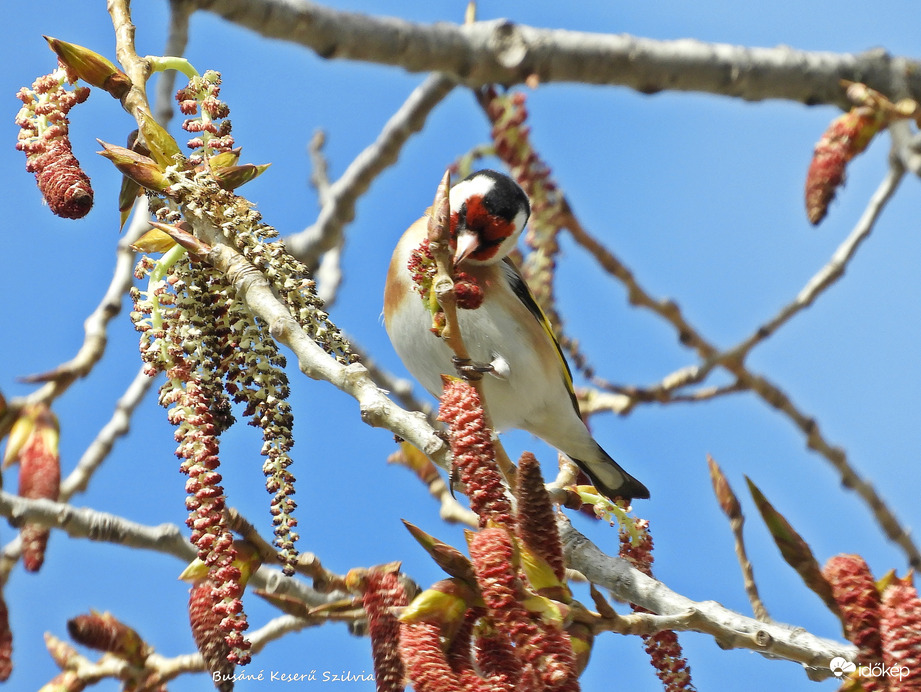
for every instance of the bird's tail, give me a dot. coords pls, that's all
(610, 479)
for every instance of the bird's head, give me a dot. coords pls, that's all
(488, 212)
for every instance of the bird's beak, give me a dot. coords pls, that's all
(467, 242)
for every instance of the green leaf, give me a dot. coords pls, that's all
(163, 148)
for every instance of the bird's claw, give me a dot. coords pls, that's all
(468, 370)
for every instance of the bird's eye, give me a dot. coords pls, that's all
(477, 215)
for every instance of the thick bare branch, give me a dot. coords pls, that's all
(376, 408)
(83, 522)
(730, 629)
(501, 52)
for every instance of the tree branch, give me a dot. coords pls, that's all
(340, 197)
(117, 426)
(83, 522)
(58, 380)
(733, 359)
(253, 288)
(729, 629)
(835, 267)
(501, 52)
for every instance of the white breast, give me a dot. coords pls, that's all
(500, 332)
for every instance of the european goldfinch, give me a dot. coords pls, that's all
(528, 384)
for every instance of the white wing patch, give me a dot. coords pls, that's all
(500, 368)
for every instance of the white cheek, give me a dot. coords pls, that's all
(521, 218)
(466, 189)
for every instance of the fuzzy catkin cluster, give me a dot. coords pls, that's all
(242, 227)
(183, 321)
(664, 649)
(214, 350)
(44, 139)
(497, 624)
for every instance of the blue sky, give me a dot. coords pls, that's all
(700, 195)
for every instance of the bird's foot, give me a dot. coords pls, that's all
(470, 371)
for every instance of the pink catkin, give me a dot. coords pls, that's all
(208, 634)
(473, 452)
(198, 447)
(6, 642)
(541, 646)
(900, 630)
(845, 138)
(496, 658)
(855, 592)
(385, 591)
(426, 664)
(39, 478)
(663, 647)
(63, 183)
(45, 140)
(537, 527)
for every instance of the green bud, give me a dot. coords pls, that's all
(143, 170)
(91, 67)
(200, 248)
(232, 177)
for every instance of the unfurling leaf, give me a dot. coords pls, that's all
(163, 148)
(91, 67)
(793, 548)
(154, 241)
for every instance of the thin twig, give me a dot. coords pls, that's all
(622, 399)
(117, 426)
(166, 668)
(83, 522)
(329, 272)
(307, 564)
(729, 503)
(732, 359)
(906, 145)
(339, 206)
(833, 270)
(90, 353)
(95, 327)
(451, 510)
(319, 167)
